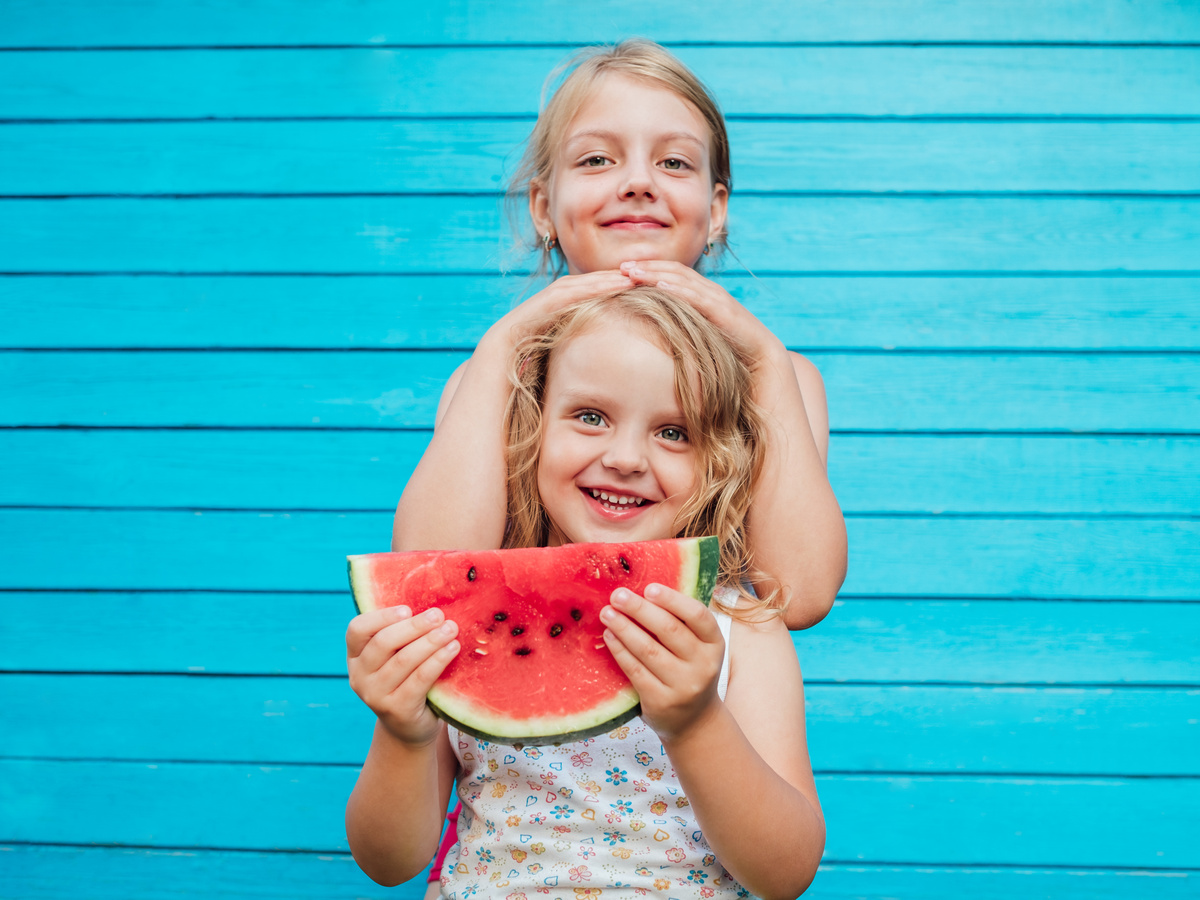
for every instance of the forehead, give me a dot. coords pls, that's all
(620, 104)
(588, 355)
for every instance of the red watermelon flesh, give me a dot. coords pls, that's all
(533, 667)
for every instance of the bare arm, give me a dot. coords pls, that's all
(395, 813)
(455, 498)
(796, 526)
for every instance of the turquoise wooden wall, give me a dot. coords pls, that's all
(243, 243)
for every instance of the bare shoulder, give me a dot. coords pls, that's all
(812, 389)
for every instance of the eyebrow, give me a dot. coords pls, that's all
(605, 134)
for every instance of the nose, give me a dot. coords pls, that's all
(638, 181)
(625, 454)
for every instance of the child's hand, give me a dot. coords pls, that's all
(712, 301)
(560, 293)
(670, 647)
(394, 659)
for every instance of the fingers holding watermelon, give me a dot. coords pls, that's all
(670, 648)
(393, 659)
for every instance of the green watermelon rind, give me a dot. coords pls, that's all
(698, 573)
(549, 730)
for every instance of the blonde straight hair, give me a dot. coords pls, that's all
(634, 58)
(712, 384)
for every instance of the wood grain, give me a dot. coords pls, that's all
(985, 392)
(862, 728)
(77, 23)
(1027, 643)
(1024, 820)
(441, 155)
(506, 81)
(296, 470)
(445, 234)
(1150, 558)
(420, 311)
(54, 873)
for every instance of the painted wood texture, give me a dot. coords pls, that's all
(987, 392)
(271, 22)
(361, 470)
(809, 312)
(1099, 558)
(422, 234)
(505, 81)
(871, 728)
(55, 872)
(243, 244)
(919, 641)
(422, 156)
(1021, 820)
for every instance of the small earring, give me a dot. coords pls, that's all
(548, 243)
(708, 248)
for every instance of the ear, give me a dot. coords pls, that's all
(539, 208)
(718, 212)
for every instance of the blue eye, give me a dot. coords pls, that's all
(672, 434)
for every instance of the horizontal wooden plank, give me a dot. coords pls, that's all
(853, 882)
(340, 156)
(76, 23)
(1012, 820)
(399, 389)
(455, 81)
(851, 728)
(951, 819)
(54, 873)
(414, 311)
(1011, 642)
(291, 470)
(934, 557)
(118, 873)
(444, 234)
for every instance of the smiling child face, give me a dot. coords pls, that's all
(615, 462)
(631, 180)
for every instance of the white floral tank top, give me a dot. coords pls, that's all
(604, 817)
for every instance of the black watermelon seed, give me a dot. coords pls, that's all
(500, 616)
(523, 651)
(576, 615)
(624, 562)
(555, 630)
(471, 574)
(518, 630)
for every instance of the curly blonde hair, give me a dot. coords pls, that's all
(713, 387)
(634, 58)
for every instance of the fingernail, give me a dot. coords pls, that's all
(401, 612)
(448, 628)
(665, 285)
(432, 615)
(607, 614)
(653, 590)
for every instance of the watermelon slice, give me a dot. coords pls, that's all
(533, 668)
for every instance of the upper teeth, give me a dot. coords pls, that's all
(618, 499)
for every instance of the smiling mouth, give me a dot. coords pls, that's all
(635, 223)
(614, 502)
